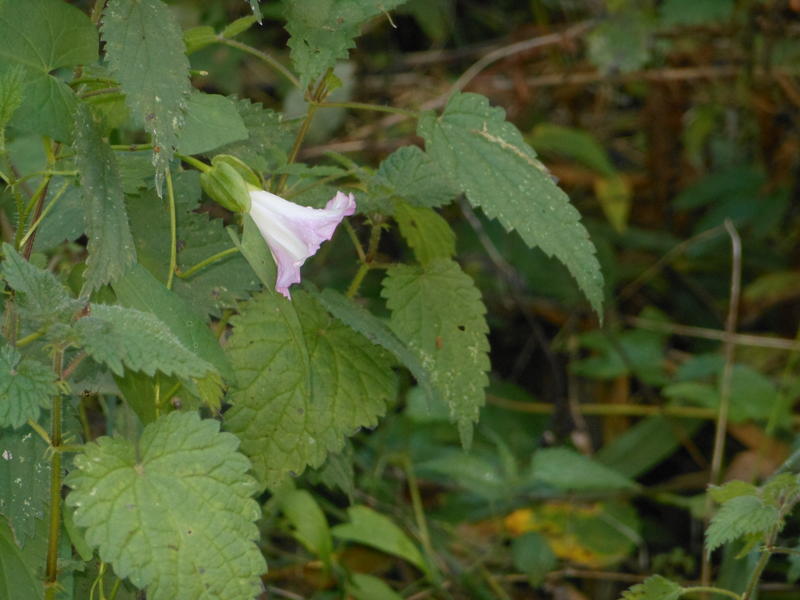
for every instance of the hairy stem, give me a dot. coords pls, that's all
(206, 262)
(173, 232)
(51, 569)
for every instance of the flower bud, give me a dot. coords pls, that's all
(228, 182)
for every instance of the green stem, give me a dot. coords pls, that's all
(711, 589)
(197, 164)
(51, 570)
(173, 232)
(356, 242)
(752, 584)
(419, 510)
(261, 56)
(30, 338)
(363, 269)
(208, 261)
(100, 92)
(782, 550)
(132, 147)
(366, 106)
(24, 210)
(44, 213)
(40, 430)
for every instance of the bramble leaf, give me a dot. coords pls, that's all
(144, 47)
(25, 481)
(742, 515)
(26, 386)
(43, 36)
(438, 312)
(306, 382)
(498, 171)
(654, 588)
(111, 248)
(174, 512)
(322, 31)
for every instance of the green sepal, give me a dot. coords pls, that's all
(228, 182)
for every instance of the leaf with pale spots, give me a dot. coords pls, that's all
(306, 382)
(24, 479)
(488, 158)
(144, 47)
(26, 386)
(172, 512)
(438, 312)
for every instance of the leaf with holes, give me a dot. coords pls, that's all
(438, 312)
(173, 512)
(499, 172)
(306, 382)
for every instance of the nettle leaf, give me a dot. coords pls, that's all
(174, 512)
(654, 588)
(306, 382)
(739, 516)
(409, 173)
(39, 295)
(269, 137)
(438, 312)
(11, 83)
(426, 231)
(124, 337)
(144, 46)
(25, 481)
(16, 577)
(377, 332)
(498, 171)
(111, 248)
(211, 121)
(322, 31)
(26, 386)
(43, 36)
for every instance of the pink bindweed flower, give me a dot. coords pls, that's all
(293, 232)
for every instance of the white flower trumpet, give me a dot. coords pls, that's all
(293, 232)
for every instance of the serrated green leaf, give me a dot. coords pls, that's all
(377, 332)
(428, 234)
(269, 137)
(173, 513)
(111, 248)
(43, 36)
(25, 481)
(566, 469)
(498, 171)
(140, 290)
(124, 337)
(533, 556)
(25, 387)
(654, 588)
(378, 531)
(309, 522)
(211, 121)
(438, 312)
(16, 578)
(410, 174)
(743, 515)
(322, 31)
(39, 295)
(306, 382)
(144, 47)
(731, 490)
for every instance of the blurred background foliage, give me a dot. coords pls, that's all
(661, 119)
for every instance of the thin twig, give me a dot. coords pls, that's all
(725, 385)
(738, 339)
